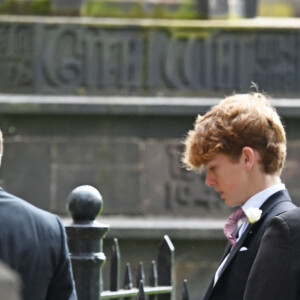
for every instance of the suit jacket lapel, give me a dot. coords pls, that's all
(266, 208)
(231, 255)
(274, 200)
(236, 248)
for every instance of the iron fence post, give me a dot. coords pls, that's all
(85, 241)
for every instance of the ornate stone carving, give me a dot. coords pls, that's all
(86, 59)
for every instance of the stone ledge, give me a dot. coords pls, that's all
(155, 228)
(256, 23)
(114, 105)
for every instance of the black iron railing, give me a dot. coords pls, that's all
(85, 241)
(160, 277)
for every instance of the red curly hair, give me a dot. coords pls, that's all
(236, 122)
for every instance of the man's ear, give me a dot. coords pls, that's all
(248, 157)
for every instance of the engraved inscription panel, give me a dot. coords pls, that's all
(16, 60)
(212, 61)
(170, 189)
(91, 59)
(276, 57)
(86, 59)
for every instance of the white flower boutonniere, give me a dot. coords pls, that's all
(253, 214)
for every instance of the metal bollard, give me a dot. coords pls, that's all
(85, 241)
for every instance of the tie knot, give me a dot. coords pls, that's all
(237, 215)
(232, 224)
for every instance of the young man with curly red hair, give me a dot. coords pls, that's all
(241, 144)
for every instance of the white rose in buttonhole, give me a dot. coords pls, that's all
(253, 214)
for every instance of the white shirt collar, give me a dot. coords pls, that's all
(258, 199)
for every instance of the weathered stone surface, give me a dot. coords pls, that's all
(102, 153)
(98, 57)
(110, 166)
(66, 5)
(26, 172)
(129, 149)
(131, 156)
(170, 189)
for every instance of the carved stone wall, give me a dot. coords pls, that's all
(53, 56)
(130, 150)
(132, 158)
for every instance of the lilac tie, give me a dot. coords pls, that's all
(231, 225)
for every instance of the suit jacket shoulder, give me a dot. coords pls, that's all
(233, 278)
(276, 270)
(33, 242)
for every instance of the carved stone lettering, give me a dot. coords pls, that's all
(80, 58)
(62, 62)
(186, 189)
(121, 61)
(196, 71)
(225, 52)
(93, 59)
(181, 63)
(275, 57)
(223, 61)
(156, 56)
(16, 61)
(169, 189)
(194, 63)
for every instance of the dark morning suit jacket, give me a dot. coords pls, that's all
(233, 277)
(33, 243)
(276, 270)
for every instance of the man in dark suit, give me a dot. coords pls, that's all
(241, 144)
(275, 273)
(33, 243)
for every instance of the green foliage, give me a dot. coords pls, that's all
(139, 9)
(111, 9)
(184, 9)
(40, 7)
(35, 7)
(280, 9)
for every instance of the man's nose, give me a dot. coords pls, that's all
(209, 181)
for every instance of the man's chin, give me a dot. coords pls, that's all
(229, 203)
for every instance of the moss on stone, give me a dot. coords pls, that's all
(138, 9)
(35, 7)
(280, 9)
(184, 9)
(111, 9)
(40, 7)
